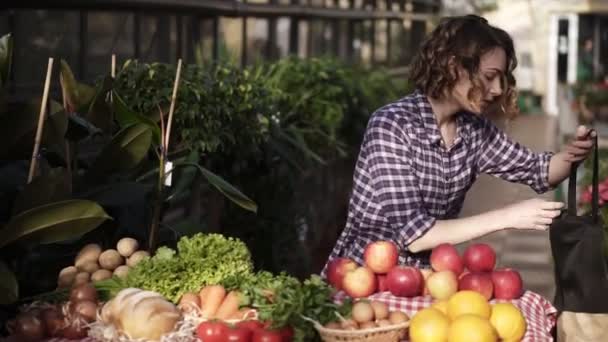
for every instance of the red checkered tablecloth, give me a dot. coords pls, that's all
(539, 313)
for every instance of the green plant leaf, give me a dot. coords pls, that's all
(99, 112)
(19, 125)
(184, 180)
(127, 117)
(80, 128)
(78, 96)
(47, 188)
(9, 288)
(53, 222)
(225, 188)
(6, 58)
(124, 152)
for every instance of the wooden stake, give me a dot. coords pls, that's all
(41, 117)
(113, 65)
(172, 108)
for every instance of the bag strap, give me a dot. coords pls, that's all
(594, 184)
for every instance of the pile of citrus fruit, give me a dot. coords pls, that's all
(467, 316)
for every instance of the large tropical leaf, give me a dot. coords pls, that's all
(224, 187)
(185, 178)
(127, 117)
(124, 152)
(6, 58)
(19, 125)
(79, 128)
(9, 288)
(78, 96)
(99, 112)
(53, 222)
(47, 188)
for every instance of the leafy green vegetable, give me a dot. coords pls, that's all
(203, 259)
(283, 300)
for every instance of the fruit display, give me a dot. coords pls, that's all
(450, 272)
(94, 264)
(369, 314)
(467, 317)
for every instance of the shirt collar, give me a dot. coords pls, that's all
(463, 120)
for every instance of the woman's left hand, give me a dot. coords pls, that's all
(579, 148)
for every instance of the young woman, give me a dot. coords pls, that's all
(421, 154)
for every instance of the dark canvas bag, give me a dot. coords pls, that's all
(581, 272)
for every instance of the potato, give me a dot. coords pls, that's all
(122, 271)
(66, 276)
(89, 266)
(110, 259)
(127, 246)
(383, 323)
(101, 275)
(349, 324)
(368, 325)
(380, 310)
(362, 312)
(137, 257)
(333, 325)
(89, 252)
(82, 278)
(397, 317)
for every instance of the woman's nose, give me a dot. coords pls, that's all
(496, 87)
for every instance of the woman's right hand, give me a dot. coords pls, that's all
(534, 214)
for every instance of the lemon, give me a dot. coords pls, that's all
(508, 321)
(441, 305)
(429, 325)
(468, 302)
(471, 328)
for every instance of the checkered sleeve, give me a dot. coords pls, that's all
(511, 161)
(394, 184)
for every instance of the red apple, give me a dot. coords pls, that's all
(381, 256)
(479, 282)
(405, 281)
(360, 282)
(507, 284)
(381, 278)
(465, 272)
(336, 270)
(479, 257)
(426, 272)
(442, 285)
(445, 257)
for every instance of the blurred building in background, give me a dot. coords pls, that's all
(86, 33)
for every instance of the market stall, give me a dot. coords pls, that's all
(207, 290)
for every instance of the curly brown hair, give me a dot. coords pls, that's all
(464, 40)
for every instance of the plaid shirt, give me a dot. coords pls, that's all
(405, 178)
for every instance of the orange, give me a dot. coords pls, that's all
(508, 321)
(429, 325)
(471, 328)
(468, 302)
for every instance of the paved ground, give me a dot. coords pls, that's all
(528, 251)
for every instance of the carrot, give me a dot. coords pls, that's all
(189, 301)
(202, 294)
(229, 306)
(213, 300)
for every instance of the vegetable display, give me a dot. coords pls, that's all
(202, 259)
(93, 264)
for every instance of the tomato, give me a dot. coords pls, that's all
(250, 324)
(212, 331)
(287, 334)
(239, 334)
(265, 335)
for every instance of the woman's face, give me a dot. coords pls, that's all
(491, 72)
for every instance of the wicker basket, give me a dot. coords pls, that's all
(392, 333)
